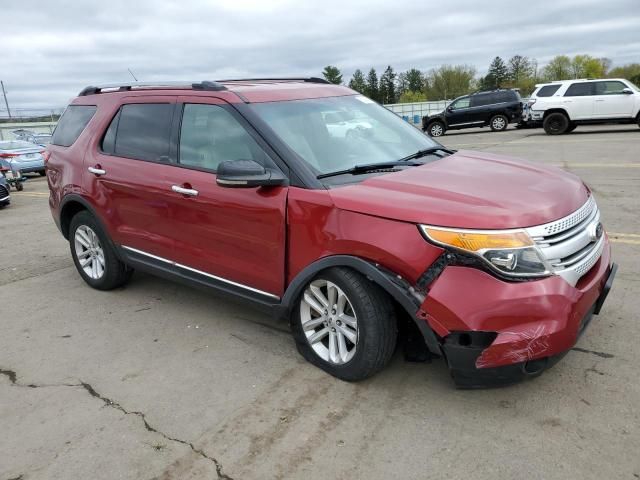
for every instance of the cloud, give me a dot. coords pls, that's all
(51, 50)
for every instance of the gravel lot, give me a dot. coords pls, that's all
(159, 381)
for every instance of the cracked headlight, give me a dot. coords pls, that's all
(509, 252)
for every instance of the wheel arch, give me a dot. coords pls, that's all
(556, 110)
(71, 205)
(394, 285)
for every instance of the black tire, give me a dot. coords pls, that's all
(42, 173)
(376, 331)
(436, 129)
(556, 123)
(498, 123)
(571, 128)
(19, 186)
(116, 273)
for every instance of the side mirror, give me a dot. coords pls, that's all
(449, 109)
(247, 174)
(627, 91)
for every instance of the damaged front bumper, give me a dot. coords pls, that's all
(496, 333)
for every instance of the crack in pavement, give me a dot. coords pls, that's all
(13, 378)
(593, 352)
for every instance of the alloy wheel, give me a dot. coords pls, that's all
(436, 130)
(498, 123)
(89, 252)
(329, 322)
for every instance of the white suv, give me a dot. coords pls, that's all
(562, 106)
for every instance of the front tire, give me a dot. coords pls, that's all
(556, 123)
(94, 255)
(345, 325)
(498, 123)
(436, 129)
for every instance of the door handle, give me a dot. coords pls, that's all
(185, 191)
(97, 171)
(599, 99)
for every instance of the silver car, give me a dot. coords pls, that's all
(22, 156)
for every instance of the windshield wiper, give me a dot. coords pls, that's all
(369, 167)
(426, 151)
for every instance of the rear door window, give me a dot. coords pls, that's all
(481, 99)
(140, 131)
(547, 90)
(582, 89)
(71, 124)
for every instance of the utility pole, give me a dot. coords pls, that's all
(6, 102)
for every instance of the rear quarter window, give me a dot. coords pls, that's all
(547, 90)
(71, 124)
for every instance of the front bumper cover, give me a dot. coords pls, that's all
(496, 333)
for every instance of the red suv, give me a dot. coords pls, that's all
(325, 208)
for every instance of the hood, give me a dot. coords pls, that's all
(468, 190)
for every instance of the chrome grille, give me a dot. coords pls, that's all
(570, 245)
(4, 193)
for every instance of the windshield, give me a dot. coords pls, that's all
(337, 133)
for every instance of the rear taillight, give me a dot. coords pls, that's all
(46, 154)
(9, 155)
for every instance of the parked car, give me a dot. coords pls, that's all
(563, 106)
(239, 186)
(42, 139)
(22, 156)
(5, 196)
(341, 124)
(495, 108)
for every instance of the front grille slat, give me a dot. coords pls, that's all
(568, 245)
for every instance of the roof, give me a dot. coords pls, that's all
(578, 80)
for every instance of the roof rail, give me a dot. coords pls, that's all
(278, 79)
(203, 85)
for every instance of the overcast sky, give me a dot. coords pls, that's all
(50, 49)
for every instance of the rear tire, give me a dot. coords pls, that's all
(436, 129)
(42, 173)
(94, 254)
(556, 123)
(19, 186)
(363, 316)
(498, 123)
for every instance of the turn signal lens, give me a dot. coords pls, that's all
(475, 241)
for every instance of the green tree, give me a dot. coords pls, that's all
(357, 82)
(387, 89)
(332, 74)
(415, 80)
(409, 96)
(498, 72)
(559, 68)
(449, 81)
(586, 66)
(372, 85)
(519, 69)
(630, 71)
